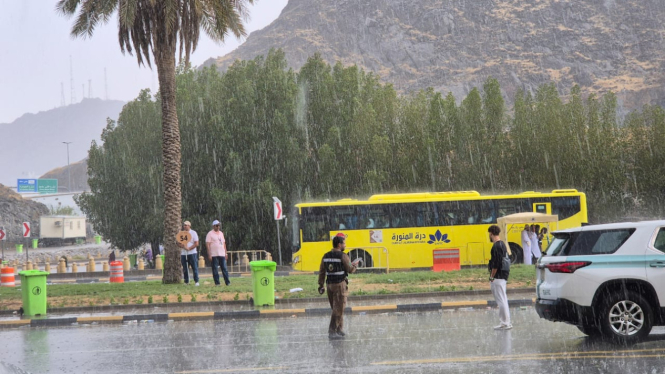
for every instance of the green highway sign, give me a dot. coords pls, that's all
(47, 186)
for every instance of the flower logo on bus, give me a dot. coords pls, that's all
(438, 237)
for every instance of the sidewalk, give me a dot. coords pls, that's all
(395, 303)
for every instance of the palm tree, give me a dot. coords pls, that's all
(157, 27)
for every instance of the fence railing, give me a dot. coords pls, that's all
(238, 261)
(370, 257)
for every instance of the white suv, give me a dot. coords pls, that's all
(606, 279)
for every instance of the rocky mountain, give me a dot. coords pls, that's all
(34, 142)
(14, 210)
(454, 45)
(76, 174)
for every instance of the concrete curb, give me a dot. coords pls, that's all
(212, 304)
(135, 276)
(256, 314)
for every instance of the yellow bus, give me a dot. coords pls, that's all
(406, 231)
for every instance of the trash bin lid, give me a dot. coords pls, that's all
(32, 273)
(263, 264)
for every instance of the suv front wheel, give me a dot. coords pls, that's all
(626, 318)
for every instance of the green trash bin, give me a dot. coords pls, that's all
(98, 239)
(33, 289)
(35, 243)
(263, 282)
(163, 262)
(19, 248)
(132, 260)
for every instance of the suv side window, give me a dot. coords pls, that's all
(659, 244)
(598, 242)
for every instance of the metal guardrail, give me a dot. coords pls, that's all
(371, 257)
(238, 261)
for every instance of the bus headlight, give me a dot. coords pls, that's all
(296, 260)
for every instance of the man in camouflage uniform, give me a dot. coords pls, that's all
(335, 267)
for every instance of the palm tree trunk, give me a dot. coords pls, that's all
(165, 61)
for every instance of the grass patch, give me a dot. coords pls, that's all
(67, 295)
(518, 273)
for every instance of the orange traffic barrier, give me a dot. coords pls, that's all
(117, 275)
(446, 259)
(7, 277)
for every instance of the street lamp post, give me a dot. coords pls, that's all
(69, 172)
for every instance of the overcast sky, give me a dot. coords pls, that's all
(35, 50)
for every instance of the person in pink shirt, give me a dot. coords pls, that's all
(216, 245)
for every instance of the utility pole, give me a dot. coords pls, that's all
(72, 94)
(69, 171)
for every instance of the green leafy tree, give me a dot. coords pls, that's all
(158, 28)
(125, 199)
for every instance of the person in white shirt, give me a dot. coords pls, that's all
(188, 254)
(216, 245)
(526, 245)
(535, 248)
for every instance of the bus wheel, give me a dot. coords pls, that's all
(516, 254)
(365, 258)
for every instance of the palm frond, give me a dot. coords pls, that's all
(144, 25)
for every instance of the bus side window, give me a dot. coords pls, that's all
(345, 218)
(396, 214)
(566, 207)
(315, 224)
(404, 215)
(471, 209)
(512, 206)
(488, 212)
(427, 215)
(450, 211)
(377, 217)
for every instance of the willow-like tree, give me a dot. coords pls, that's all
(159, 28)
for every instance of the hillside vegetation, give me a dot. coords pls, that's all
(263, 130)
(455, 45)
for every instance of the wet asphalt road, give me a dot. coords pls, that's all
(461, 341)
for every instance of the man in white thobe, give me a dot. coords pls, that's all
(535, 248)
(526, 245)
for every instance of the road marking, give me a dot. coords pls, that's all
(373, 307)
(446, 304)
(232, 370)
(281, 311)
(191, 315)
(532, 357)
(98, 319)
(18, 322)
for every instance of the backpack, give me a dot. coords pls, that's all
(505, 261)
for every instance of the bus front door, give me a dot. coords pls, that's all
(475, 254)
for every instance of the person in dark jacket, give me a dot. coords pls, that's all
(111, 257)
(334, 269)
(499, 277)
